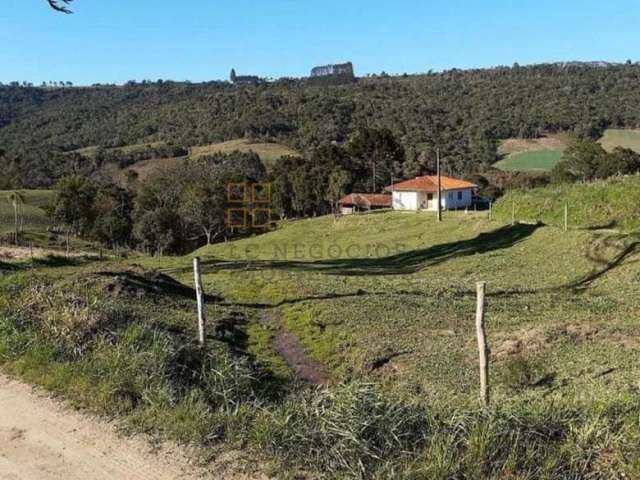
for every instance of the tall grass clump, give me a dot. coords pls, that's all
(353, 430)
(103, 355)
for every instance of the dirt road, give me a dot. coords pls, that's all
(40, 439)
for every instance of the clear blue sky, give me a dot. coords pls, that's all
(119, 40)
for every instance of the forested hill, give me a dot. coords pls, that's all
(464, 112)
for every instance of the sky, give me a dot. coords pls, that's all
(114, 41)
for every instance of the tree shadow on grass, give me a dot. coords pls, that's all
(54, 261)
(9, 267)
(605, 266)
(400, 263)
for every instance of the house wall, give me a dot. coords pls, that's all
(451, 199)
(405, 200)
(346, 210)
(419, 200)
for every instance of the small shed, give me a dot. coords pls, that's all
(358, 202)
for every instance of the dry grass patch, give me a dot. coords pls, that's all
(556, 141)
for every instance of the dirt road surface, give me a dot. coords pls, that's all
(40, 439)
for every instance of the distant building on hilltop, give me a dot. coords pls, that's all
(343, 70)
(244, 79)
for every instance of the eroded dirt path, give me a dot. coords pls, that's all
(41, 439)
(291, 350)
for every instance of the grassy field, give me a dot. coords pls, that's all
(384, 304)
(612, 203)
(268, 152)
(613, 138)
(542, 154)
(538, 154)
(543, 160)
(35, 219)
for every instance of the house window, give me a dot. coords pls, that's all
(459, 195)
(450, 195)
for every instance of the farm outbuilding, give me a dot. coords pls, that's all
(358, 202)
(421, 193)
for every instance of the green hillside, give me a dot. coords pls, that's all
(468, 111)
(613, 202)
(544, 153)
(532, 154)
(543, 160)
(379, 307)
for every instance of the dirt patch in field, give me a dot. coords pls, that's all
(20, 253)
(291, 350)
(588, 332)
(525, 341)
(135, 281)
(581, 331)
(626, 342)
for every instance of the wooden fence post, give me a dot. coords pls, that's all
(202, 317)
(483, 348)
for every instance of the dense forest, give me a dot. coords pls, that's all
(462, 112)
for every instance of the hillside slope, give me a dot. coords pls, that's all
(614, 203)
(382, 305)
(464, 112)
(390, 296)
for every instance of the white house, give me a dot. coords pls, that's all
(421, 193)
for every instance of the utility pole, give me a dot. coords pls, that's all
(373, 176)
(439, 173)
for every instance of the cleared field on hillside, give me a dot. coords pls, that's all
(90, 151)
(268, 152)
(543, 160)
(543, 153)
(539, 154)
(35, 218)
(613, 138)
(554, 142)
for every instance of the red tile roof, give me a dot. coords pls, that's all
(429, 183)
(366, 200)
